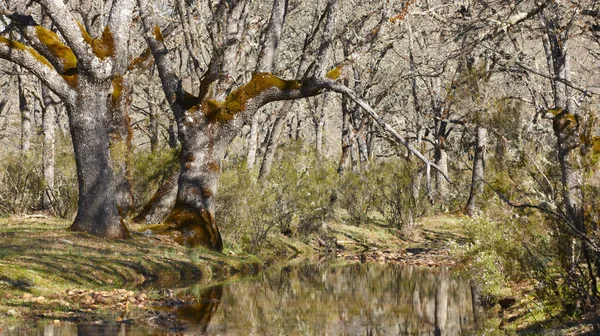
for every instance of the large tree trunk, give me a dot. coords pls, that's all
(203, 146)
(98, 206)
(478, 170)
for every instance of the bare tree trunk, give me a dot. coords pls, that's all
(566, 132)
(267, 162)
(441, 159)
(298, 126)
(346, 137)
(48, 154)
(363, 151)
(253, 142)
(25, 108)
(478, 170)
(319, 124)
(173, 141)
(440, 133)
(354, 157)
(153, 120)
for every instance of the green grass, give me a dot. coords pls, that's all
(43, 258)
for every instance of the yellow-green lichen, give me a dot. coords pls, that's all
(19, 46)
(213, 166)
(117, 85)
(334, 73)
(72, 80)
(103, 47)
(138, 61)
(157, 34)
(58, 50)
(236, 101)
(195, 227)
(596, 144)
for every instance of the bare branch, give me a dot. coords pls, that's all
(328, 33)
(118, 24)
(268, 53)
(336, 87)
(31, 60)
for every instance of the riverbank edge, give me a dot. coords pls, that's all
(50, 273)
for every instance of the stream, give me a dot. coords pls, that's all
(306, 299)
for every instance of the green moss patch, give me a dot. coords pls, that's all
(236, 101)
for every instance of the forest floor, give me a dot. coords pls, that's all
(50, 273)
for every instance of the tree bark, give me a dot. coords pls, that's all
(25, 111)
(346, 138)
(252, 143)
(98, 208)
(85, 73)
(269, 156)
(319, 124)
(153, 120)
(48, 154)
(478, 170)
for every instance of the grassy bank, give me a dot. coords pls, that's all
(48, 272)
(39, 257)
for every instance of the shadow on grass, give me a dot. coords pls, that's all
(56, 255)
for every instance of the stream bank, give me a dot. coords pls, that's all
(50, 273)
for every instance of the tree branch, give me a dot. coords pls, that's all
(336, 87)
(268, 52)
(118, 24)
(71, 32)
(31, 60)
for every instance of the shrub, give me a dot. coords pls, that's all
(21, 183)
(149, 171)
(486, 256)
(357, 195)
(399, 193)
(65, 194)
(296, 198)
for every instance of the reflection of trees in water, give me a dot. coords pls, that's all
(199, 315)
(352, 299)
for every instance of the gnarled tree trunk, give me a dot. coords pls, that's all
(98, 208)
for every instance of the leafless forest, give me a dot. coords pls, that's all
(226, 121)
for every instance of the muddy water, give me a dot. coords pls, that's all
(350, 299)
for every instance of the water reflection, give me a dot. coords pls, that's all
(199, 315)
(356, 299)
